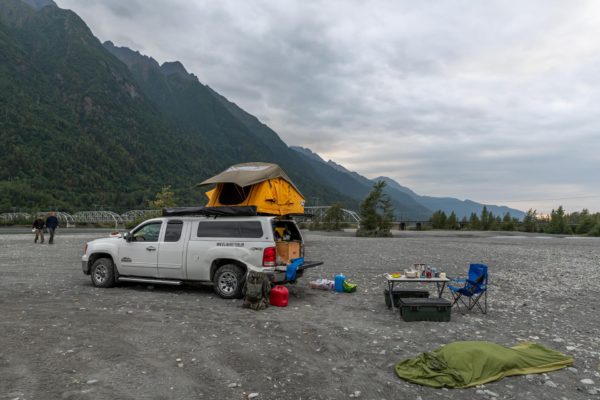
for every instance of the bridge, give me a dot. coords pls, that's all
(16, 217)
(9, 218)
(109, 217)
(319, 212)
(133, 215)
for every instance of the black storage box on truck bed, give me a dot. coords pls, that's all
(402, 293)
(425, 309)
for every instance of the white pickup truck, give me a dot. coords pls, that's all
(219, 250)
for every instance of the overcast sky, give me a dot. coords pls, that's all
(494, 101)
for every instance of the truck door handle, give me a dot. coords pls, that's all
(151, 248)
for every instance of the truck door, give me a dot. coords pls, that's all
(170, 250)
(138, 257)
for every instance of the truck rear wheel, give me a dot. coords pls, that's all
(103, 273)
(229, 281)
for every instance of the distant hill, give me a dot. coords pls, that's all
(358, 186)
(408, 204)
(462, 208)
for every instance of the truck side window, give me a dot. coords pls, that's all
(218, 229)
(251, 229)
(147, 233)
(173, 232)
(230, 229)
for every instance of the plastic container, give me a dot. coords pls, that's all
(403, 293)
(279, 296)
(339, 283)
(426, 309)
(323, 284)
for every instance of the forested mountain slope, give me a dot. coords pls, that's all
(82, 125)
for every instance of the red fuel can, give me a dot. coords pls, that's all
(279, 296)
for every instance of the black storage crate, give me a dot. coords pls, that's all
(425, 310)
(402, 293)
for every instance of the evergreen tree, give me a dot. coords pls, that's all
(585, 222)
(452, 221)
(508, 223)
(558, 222)
(485, 223)
(474, 222)
(438, 220)
(530, 221)
(376, 213)
(387, 216)
(332, 220)
(496, 223)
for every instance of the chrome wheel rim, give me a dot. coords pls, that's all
(227, 282)
(100, 273)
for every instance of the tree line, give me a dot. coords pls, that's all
(377, 213)
(558, 222)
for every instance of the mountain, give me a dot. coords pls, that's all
(462, 208)
(76, 131)
(406, 208)
(229, 134)
(37, 4)
(86, 124)
(408, 204)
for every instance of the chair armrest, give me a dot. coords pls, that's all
(460, 280)
(475, 283)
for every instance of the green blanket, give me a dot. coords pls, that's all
(466, 364)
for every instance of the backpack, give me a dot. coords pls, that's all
(256, 291)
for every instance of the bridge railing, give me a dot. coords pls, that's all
(8, 218)
(133, 215)
(95, 217)
(318, 213)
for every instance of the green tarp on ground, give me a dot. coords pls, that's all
(466, 364)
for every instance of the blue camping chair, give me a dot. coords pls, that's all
(473, 289)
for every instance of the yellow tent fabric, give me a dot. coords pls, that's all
(262, 185)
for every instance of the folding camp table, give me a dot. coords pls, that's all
(440, 284)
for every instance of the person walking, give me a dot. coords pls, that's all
(51, 224)
(38, 227)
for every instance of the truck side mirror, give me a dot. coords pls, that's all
(127, 236)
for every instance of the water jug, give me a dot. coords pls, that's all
(279, 296)
(339, 283)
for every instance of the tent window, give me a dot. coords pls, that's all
(232, 194)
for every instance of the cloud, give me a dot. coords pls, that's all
(491, 101)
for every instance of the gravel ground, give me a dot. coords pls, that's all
(61, 338)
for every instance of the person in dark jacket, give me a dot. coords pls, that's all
(38, 228)
(51, 224)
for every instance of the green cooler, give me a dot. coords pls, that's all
(425, 309)
(402, 293)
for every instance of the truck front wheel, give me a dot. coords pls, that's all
(229, 281)
(103, 273)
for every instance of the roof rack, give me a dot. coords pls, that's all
(232, 211)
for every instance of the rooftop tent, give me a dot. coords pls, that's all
(263, 185)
